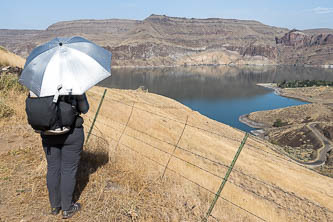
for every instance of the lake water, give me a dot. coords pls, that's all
(222, 93)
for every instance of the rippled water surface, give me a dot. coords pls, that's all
(220, 92)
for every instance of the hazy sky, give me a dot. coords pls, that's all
(39, 14)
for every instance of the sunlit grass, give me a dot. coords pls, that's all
(9, 59)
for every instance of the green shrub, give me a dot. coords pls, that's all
(304, 83)
(274, 142)
(279, 123)
(10, 82)
(314, 155)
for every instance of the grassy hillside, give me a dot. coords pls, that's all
(111, 188)
(152, 159)
(9, 59)
(8, 83)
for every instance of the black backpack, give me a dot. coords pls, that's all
(44, 114)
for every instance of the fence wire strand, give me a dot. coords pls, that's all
(250, 147)
(208, 190)
(201, 129)
(213, 174)
(174, 150)
(176, 146)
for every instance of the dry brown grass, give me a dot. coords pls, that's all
(109, 191)
(10, 93)
(316, 94)
(119, 176)
(9, 59)
(156, 122)
(10, 89)
(125, 189)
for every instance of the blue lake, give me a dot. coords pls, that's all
(221, 93)
(228, 111)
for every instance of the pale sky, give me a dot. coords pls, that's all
(39, 14)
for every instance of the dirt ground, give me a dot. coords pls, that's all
(321, 94)
(295, 137)
(313, 112)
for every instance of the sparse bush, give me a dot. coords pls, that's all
(10, 82)
(279, 123)
(314, 154)
(274, 142)
(9, 88)
(304, 83)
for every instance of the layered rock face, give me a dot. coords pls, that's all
(103, 32)
(299, 39)
(162, 40)
(310, 48)
(169, 41)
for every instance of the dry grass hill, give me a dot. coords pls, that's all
(9, 59)
(149, 158)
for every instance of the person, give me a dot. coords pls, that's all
(63, 153)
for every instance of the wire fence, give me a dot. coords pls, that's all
(122, 131)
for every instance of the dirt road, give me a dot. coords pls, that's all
(322, 152)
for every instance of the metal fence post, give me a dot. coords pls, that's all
(93, 123)
(224, 181)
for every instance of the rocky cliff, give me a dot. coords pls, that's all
(299, 39)
(168, 41)
(301, 47)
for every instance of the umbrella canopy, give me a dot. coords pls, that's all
(65, 66)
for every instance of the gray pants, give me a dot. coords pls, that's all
(63, 154)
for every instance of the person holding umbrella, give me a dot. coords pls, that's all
(58, 73)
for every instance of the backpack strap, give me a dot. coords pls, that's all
(55, 100)
(59, 116)
(56, 95)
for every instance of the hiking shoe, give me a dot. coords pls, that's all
(55, 210)
(71, 211)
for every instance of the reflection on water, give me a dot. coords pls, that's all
(219, 92)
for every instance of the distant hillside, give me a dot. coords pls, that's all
(168, 41)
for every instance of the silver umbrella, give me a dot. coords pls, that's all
(65, 66)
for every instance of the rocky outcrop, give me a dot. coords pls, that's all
(267, 51)
(305, 48)
(169, 41)
(293, 38)
(10, 69)
(297, 38)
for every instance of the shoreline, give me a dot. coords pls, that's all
(244, 119)
(277, 91)
(260, 128)
(262, 131)
(229, 65)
